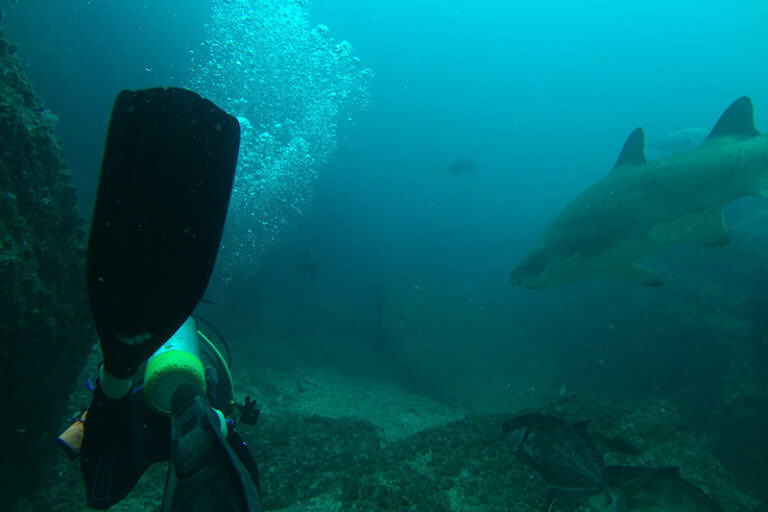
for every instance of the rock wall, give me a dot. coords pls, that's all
(45, 329)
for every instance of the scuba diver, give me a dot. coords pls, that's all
(195, 356)
(164, 388)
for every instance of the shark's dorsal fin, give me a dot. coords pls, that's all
(632, 154)
(738, 120)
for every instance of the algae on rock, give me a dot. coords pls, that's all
(45, 329)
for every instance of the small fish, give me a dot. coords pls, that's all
(461, 166)
(561, 455)
(304, 264)
(305, 384)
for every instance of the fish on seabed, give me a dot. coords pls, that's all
(641, 207)
(656, 490)
(561, 454)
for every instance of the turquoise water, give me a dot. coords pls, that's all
(352, 111)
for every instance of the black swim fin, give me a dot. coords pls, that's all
(164, 189)
(122, 439)
(205, 474)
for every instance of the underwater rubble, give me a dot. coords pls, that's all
(311, 462)
(466, 464)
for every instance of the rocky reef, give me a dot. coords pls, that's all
(45, 329)
(317, 464)
(320, 463)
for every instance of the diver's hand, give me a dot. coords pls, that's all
(249, 411)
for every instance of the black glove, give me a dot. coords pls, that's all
(249, 411)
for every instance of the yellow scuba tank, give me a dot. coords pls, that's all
(195, 354)
(175, 363)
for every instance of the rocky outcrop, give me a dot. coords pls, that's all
(311, 462)
(45, 328)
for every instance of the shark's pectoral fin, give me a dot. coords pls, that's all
(709, 230)
(638, 274)
(706, 229)
(673, 231)
(556, 271)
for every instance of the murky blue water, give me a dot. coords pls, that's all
(351, 113)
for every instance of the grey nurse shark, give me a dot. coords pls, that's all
(678, 141)
(643, 206)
